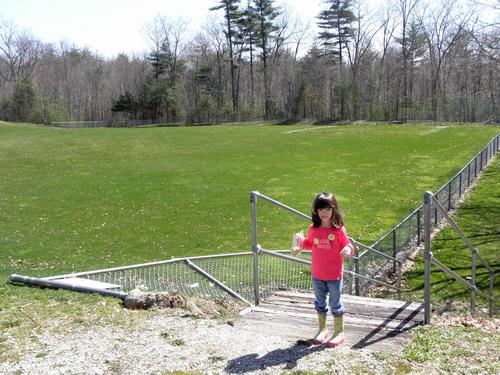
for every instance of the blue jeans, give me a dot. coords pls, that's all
(333, 288)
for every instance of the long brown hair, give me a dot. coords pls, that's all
(325, 200)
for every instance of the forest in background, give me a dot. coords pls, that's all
(410, 60)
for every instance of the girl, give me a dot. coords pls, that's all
(328, 241)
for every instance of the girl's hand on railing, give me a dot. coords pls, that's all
(346, 251)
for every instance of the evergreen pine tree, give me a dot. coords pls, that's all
(265, 14)
(336, 31)
(231, 16)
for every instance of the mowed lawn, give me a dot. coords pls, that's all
(479, 218)
(82, 199)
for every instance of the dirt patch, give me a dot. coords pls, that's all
(142, 299)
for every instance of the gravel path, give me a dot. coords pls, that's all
(202, 339)
(163, 343)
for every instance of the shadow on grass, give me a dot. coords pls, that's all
(288, 356)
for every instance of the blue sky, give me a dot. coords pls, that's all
(113, 26)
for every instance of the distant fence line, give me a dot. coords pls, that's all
(79, 124)
(110, 124)
(130, 123)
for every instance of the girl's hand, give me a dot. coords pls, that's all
(346, 251)
(298, 239)
(296, 251)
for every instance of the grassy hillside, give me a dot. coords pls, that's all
(479, 218)
(80, 199)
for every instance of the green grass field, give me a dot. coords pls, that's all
(479, 218)
(82, 199)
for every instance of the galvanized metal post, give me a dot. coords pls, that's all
(255, 247)
(491, 294)
(394, 253)
(468, 175)
(473, 281)
(349, 286)
(356, 268)
(427, 256)
(449, 195)
(399, 279)
(418, 227)
(460, 185)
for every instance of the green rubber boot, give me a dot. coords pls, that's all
(338, 332)
(322, 335)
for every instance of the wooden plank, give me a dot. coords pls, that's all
(387, 323)
(370, 323)
(388, 303)
(404, 317)
(356, 309)
(357, 336)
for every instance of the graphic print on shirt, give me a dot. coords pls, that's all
(324, 243)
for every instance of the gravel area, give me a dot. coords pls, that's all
(164, 343)
(204, 337)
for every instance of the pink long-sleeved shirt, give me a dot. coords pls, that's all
(326, 245)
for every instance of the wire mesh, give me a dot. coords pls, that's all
(278, 274)
(408, 233)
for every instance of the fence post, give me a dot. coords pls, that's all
(399, 279)
(351, 278)
(468, 175)
(356, 279)
(427, 256)
(394, 252)
(473, 280)
(418, 227)
(255, 247)
(449, 195)
(460, 185)
(491, 294)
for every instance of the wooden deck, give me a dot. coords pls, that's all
(373, 323)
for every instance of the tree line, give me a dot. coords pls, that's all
(407, 60)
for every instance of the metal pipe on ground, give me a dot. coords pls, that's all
(60, 284)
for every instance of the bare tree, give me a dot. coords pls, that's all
(20, 52)
(167, 37)
(388, 22)
(442, 28)
(215, 35)
(406, 9)
(358, 48)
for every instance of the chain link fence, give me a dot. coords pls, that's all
(229, 275)
(234, 271)
(408, 233)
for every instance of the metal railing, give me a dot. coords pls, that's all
(408, 233)
(429, 259)
(352, 275)
(252, 275)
